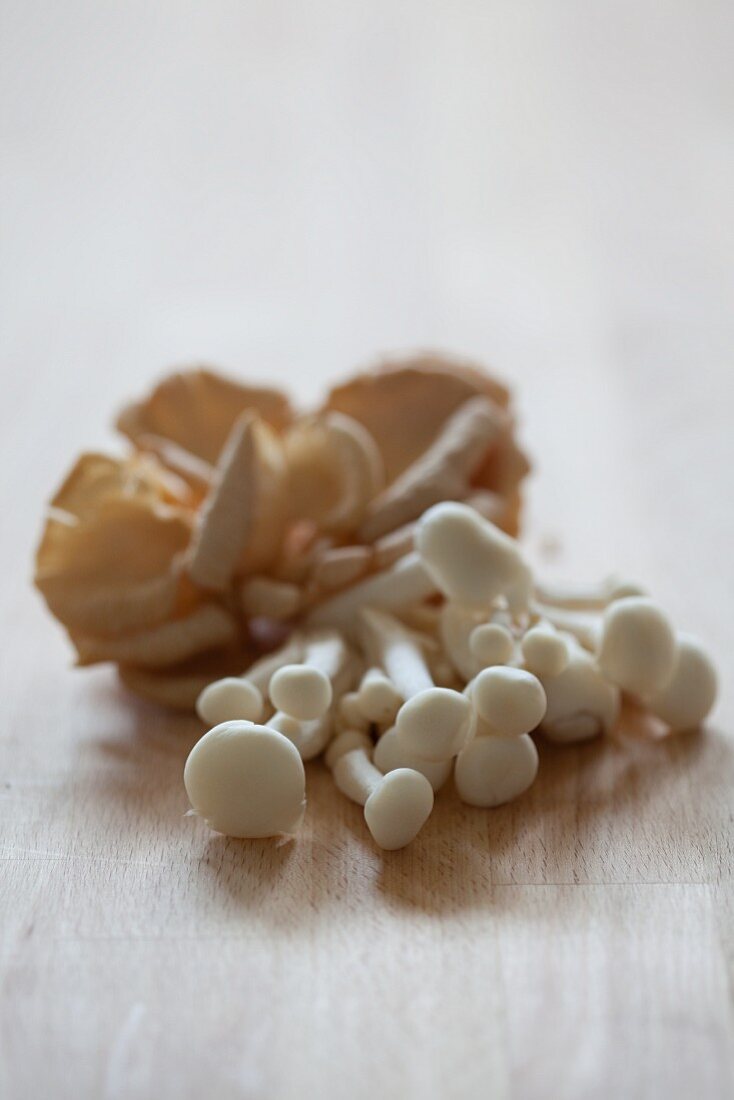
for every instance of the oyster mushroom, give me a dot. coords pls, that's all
(334, 471)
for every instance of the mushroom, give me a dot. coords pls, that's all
(471, 561)
(207, 626)
(269, 598)
(580, 702)
(240, 525)
(406, 583)
(396, 805)
(633, 640)
(493, 770)
(390, 754)
(510, 700)
(588, 598)
(441, 472)
(334, 470)
(378, 698)
(434, 722)
(229, 699)
(261, 671)
(339, 566)
(302, 692)
(196, 409)
(690, 693)
(490, 644)
(246, 780)
(349, 714)
(310, 737)
(544, 651)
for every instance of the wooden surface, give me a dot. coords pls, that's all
(287, 190)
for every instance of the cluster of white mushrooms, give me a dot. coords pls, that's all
(443, 663)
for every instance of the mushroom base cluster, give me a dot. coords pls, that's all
(443, 664)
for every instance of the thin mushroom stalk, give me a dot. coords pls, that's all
(434, 722)
(396, 805)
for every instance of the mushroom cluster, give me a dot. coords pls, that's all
(444, 662)
(232, 518)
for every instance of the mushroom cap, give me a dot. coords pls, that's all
(389, 755)
(301, 691)
(544, 651)
(378, 698)
(334, 470)
(491, 644)
(229, 699)
(580, 702)
(690, 694)
(456, 623)
(246, 780)
(494, 770)
(471, 560)
(637, 645)
(511, 700)
(398, 808)
(435, 724)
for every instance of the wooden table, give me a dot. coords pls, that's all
(545, 187)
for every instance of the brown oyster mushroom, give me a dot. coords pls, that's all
(334, 471)
(404, 402)
(196, 409)
(208, 626)
(110, 557)
(239, 528)
(179, 686)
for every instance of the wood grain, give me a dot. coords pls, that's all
(288, 189)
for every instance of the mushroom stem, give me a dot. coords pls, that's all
(584, 625)
(396, 805)
(310, 738)
(406, 583)
(434, 722)
(586, 598)
(261, 672)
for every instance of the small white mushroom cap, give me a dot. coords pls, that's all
(545, 652)
(690, 694)
(435, 724)
(580, 702)
(389, 754)
(637, 645)
(398, 808)
(511, 700)
(491, 644)
(301, 691)
(229, 699)
(246, 780)
(470, 559)
(378, 698)
(456, 624)
(493, 770)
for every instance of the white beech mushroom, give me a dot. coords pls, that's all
(229, 699)
(471, 561)
(586, 598)
(544, 651)
(261, 671)
(404, 584)
(510, 700)
(378, 698)
(490, 644)
(345, 742)
(442, 472)
(246, 780)
(690, 693)
(310, 737)
(493, 770)
(305, 690)
(390, 754)
(434, 722)
(334, 470)
(396, 805)
(349, 713)
(580, 702)
(633, 640)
